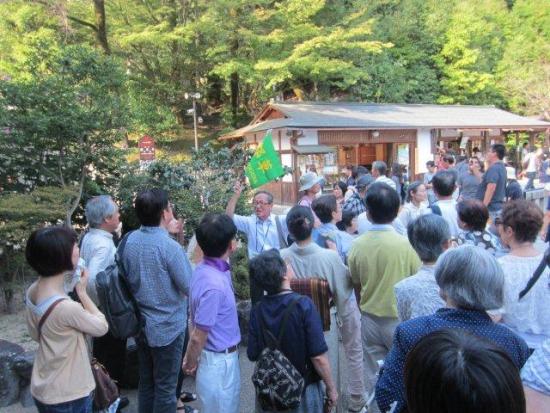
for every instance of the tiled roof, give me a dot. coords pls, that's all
(393, 116)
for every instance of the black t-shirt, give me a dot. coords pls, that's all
(496, 174)
(303, 338)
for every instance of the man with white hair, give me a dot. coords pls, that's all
(98, 250)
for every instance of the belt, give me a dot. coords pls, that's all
(228, 350)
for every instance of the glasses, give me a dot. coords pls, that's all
(260, 203)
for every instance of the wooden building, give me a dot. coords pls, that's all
(329, 136)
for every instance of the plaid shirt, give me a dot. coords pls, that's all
(354, 204)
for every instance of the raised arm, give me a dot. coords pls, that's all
(230, 209)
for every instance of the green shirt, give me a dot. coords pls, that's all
(377, 261)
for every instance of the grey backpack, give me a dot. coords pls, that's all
(279, 385)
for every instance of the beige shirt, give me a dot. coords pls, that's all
(61, 370)
(314, 261)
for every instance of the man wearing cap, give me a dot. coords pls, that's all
(263, 229)
(355, 203)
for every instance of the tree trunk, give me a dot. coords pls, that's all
(72, 208)
(234, 98)
(101, 25)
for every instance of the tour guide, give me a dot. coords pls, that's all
(263, 229)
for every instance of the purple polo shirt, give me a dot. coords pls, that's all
(213, 307)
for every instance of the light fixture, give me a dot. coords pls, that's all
(375, 134)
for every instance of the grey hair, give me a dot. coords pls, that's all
(380, 166)
(427, 234)
(268, 194)
(471, 278)
(98, 208)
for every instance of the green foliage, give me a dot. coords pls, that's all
(239, 273)
(20, 214)
(202, 184)
(63, 114)
(524, 71)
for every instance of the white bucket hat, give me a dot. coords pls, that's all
(308, 180)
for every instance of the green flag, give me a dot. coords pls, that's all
(265, 166)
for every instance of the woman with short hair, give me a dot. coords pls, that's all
(61, 378)
(339, 190)
(302, 342)
(418, 294)
(453, 371)
(471, 282)
(472, 219)
(529, 317)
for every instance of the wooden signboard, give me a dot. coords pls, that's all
(146, 147)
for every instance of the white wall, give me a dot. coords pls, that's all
(309, 138)
(424, 148)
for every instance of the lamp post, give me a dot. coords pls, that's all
(194, 96)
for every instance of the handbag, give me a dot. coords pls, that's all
(106, 390)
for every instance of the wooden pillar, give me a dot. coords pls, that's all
(357, 154)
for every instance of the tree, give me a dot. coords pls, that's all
(524, 71)
(62, 116)
(473, 46)
(20, 214)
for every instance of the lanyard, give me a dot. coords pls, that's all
(264, 235)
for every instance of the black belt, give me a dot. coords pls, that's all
(228, 350)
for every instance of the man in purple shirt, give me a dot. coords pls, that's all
(212, 352)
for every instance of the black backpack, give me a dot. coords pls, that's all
(116, 301)
(279, 385)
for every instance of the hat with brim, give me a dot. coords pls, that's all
(510, 172)
(308, 180)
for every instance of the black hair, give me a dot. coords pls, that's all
(49, 251)
(499, 149)
(149, 205)
(473, 213)
(347, 217)
(353, 170)
(427, 234)
(450, 159)
(461, 158)
(215, 233)
(382, 203)
(430, 164)
(361, 170)
(267, 269)
(342, 185)
(299, 221)
(324, 206)
(453, 371)
(444, 183)
(413, 188)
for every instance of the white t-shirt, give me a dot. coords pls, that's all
(449, 214)
(530, 316)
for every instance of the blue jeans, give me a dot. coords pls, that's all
(83, 405)
(158, 376)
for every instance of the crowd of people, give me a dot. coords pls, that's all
(420, 284)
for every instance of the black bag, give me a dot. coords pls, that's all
(279, 385)
(116, 301)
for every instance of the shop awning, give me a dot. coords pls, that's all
(312, 149)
